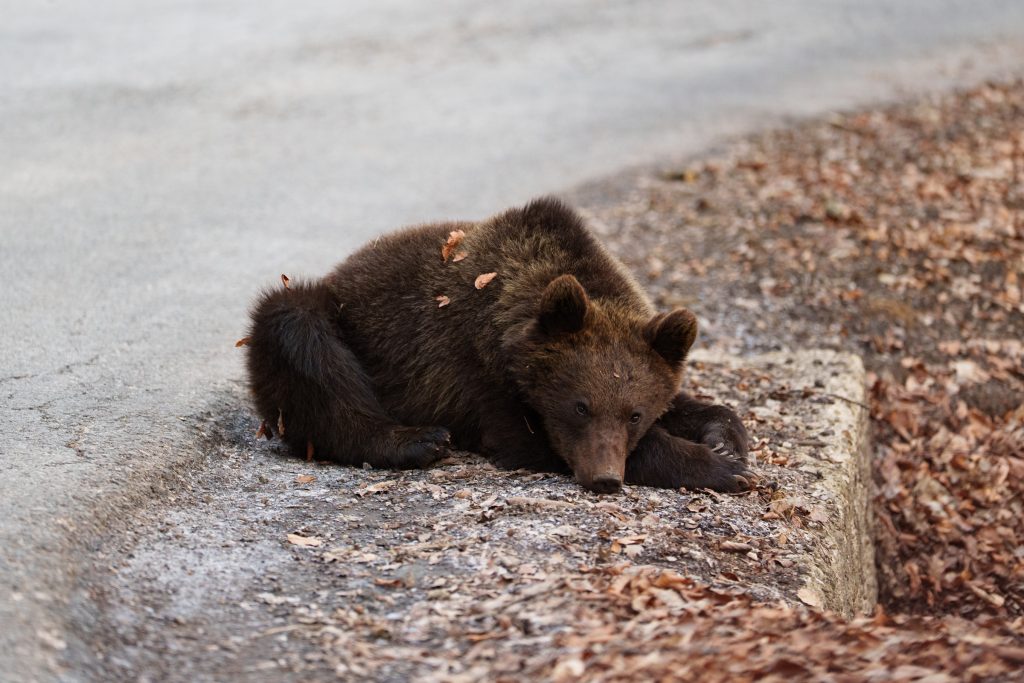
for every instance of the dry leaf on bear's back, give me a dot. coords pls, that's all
(304, 479)
(442, 301)
(455, 238)
(285, 280)
(280, 422)
(244, 341)
(458, 257)
(305, 541)
(483, 279)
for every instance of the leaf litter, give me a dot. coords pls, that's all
(896, 233)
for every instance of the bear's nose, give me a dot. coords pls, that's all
(606, 484)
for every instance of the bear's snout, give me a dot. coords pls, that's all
(606, 484)
(600, 461)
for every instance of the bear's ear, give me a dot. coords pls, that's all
(672, 334)
(563, 307)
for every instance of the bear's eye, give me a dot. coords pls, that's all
(581, 408)
(634, 418)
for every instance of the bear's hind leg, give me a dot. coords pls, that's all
(305, 378)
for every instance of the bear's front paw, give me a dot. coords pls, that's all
(727, 436)
(668, 461)
(720, 468)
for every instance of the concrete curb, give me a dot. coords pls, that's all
(833, 416)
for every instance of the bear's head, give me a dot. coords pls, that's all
(599, 374)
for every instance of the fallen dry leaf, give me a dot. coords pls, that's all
(736, 547)
(818, 514)
(305, 541)
(459, 256)
(442, 301)
(285, 280)
(262, 431)
(244, 341)
(632, 540)
(455, 238)
(527, 502)
(379, 487)
(809, 596)
(305, 479)
(483, 279)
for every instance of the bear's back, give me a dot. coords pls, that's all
(545, 239)
(390, 293)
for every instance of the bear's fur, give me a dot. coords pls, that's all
(558, 364)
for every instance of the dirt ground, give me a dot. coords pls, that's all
(897, 233)
(267, 565)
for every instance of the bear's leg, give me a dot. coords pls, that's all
(667, 461)
(694, 444)
(712, 425)
(305, 378)
(512, 437)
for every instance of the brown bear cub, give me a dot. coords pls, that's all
(558, 363)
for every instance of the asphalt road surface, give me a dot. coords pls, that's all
(160, 161)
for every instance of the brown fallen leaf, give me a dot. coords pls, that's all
(262, 431)
(304, 479)
(305, 541)
(442, 301)
(526, 501)
(483, 280)
(280, 422)
(818, 514)
(809, 596)
(244, 341)
(455, 238)
(390, 583)
(285, 280)
(376, 488)
(736, 547)
(632, 540)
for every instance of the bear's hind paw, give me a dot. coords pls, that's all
(416, 447)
